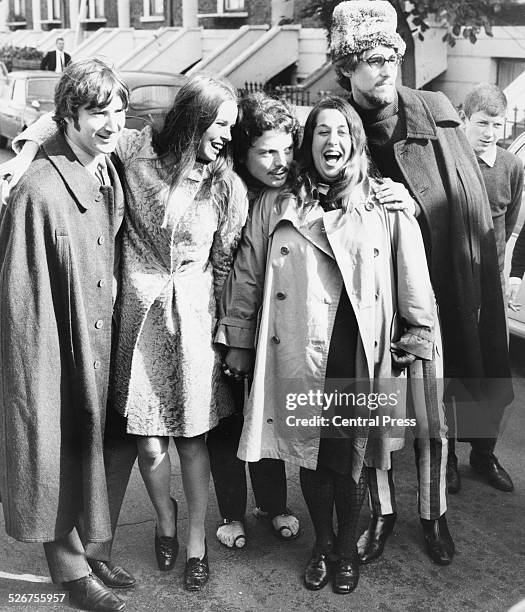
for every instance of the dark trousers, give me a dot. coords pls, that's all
(67, 556)
(268, 476)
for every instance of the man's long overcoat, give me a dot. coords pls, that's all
(56, 256)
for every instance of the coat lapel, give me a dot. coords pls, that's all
(83, 187)
(311, 226)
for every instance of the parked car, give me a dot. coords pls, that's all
(27, 94)
(517, 319)
(151, 96)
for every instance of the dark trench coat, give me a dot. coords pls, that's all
(57, 243)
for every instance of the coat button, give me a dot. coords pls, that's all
(285, 250)
(276, 339)
(269, 421)
(377, 296)
(369, 206)
(101, 283)
(327, 300)
(280, 295)
(100, 240)
(98, 197)
(99, 324)
(376, 252)
(96, 364)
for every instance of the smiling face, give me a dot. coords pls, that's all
(374, 87)
(268, 159)
(483, 130)
(331, 144)
(219, 133)
(97, 130)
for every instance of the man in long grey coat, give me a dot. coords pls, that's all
(415, 138)
(57, 256)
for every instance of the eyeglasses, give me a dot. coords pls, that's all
(376, 62)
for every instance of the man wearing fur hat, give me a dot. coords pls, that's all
(415, 138)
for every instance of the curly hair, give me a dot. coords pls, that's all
(259, 113)
(87, 83)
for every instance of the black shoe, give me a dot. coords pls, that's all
(345, 575)
(453, 479)
(89, 593)
(112, 576)
(317, 571)
(372, 542)
(438, 541)
(166, 548)
(197, 572)
(489, 467)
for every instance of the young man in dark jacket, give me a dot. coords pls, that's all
(415, 138)
(61, 481)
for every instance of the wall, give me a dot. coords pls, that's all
(470, 64)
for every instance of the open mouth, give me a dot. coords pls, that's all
(278, 174)
(332, 158)
(217, 146)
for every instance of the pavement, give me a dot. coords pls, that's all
(487, 574)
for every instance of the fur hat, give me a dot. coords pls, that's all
(359, 25)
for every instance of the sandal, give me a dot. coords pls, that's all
(239, 535)
(274, 523)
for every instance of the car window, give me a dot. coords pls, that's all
(151, 96)
(42, 90)
(19, 91)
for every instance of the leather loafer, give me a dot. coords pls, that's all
(167, 548)
(489, 467)
(197, 572)
(345, 575)
(112, 576)
(317, 571)
(89, 593)
(372, 542)
(438, 541)
(453, 479)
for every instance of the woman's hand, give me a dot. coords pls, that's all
(12, 171)
(238, 362)
(394, 196)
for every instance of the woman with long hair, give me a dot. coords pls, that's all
(320, 274)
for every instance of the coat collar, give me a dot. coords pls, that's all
(81, 183)
(422, 115)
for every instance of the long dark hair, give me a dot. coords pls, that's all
(194, 109)
(355, 172)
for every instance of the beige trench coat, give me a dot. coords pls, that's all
(285, 288)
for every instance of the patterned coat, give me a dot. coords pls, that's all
(177, 251)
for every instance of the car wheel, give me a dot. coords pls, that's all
(3, 142)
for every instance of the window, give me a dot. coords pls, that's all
(95, 9)
(19, 92)
(53, 10)
(153, 8)
(42, 90)
(152, 96)
(19, 9)
(508, 70)
(233, 5)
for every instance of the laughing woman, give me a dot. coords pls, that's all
(320, 273)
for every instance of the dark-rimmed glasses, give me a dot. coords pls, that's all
(377, 61)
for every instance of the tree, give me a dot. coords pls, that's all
(462, 18)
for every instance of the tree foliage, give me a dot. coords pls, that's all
(462, 18)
